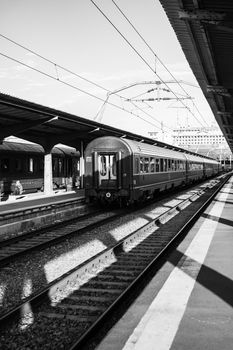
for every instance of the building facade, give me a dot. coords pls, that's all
(192, 136)
(207, 141)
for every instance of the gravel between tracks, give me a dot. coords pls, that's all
(28, 274)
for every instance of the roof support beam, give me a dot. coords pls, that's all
(224, 21)
(202, 15)
(49, 141)
(219, 90)
(17, 128)
(225, 114)
(227, 125)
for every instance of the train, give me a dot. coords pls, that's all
(127, 171)
(22, 167)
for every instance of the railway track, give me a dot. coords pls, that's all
(72, 308)
(19, 245)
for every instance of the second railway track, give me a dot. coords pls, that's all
(19, 245)
(66, 313)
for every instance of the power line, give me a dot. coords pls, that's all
(157, 57)
(135, 50)
(53, 63)
(149, 47)
(75, 74)
(81, 90)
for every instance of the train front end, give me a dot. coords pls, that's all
(106, 170)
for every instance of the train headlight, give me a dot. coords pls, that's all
(108, 194)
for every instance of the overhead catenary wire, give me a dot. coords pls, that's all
(142, 58)
(149, 47)
(53, 63)
(156, 56)
(77, 75)
(81, 90)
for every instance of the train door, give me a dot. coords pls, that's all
(107, 169)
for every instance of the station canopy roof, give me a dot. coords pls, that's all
(48, 127)
(204, 29)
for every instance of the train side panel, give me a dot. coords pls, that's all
(24, 163)
(156, 174)
(140, 170)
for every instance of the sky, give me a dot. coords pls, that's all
(98, 64)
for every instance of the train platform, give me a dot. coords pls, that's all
(189, 303)
(22, 214)
(37, 199)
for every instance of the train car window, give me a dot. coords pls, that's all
(55, 166)
(30, 165)
(103, 167)
(114, 165)
(5, 165)
(169, 165)
(141, 165)
(36, 165)
(161, 164)
(41, 164)
(165, 165)
(152, 165)
(136, 165)
(70, 167)
(157, 165)
(146, 165)
(60, 165)
(18, 165)
(172, 165)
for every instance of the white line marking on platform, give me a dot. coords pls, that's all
(159, 325)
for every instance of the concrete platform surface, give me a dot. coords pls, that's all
(189, 303)
(36, 199)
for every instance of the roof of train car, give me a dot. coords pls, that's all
(147, 149)
(32, 148)
(164, 152)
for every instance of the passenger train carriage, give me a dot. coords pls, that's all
(127, 171)
(24, 163)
